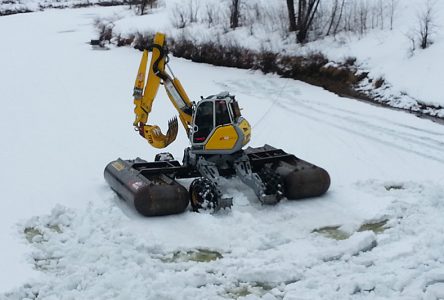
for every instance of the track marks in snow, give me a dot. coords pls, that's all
(378, 134)
(426, 143)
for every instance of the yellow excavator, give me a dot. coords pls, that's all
(217, 132)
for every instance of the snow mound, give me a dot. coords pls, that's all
(97, 253)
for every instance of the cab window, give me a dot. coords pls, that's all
(236, 110)
(203, 121)
(222, 114)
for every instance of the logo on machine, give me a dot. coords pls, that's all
(118, 166)
(226, 138)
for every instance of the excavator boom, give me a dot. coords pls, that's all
(145, 93)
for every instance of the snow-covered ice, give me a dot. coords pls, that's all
(67, 111)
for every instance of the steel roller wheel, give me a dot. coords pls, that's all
(203, 195)
(164, 156)
(273, 182)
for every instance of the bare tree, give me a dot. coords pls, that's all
(426, 24)
(186, 13)
(421, 35)
(193, 10)
(320, 20)
(143, 4)
(291, 16)
(392, 9)
(363, 16)
(338, 22)
(333, 16)
(381, 13)
(301, 7)
(306, 12)
(179, 16)
(234, 13)
(210, 14)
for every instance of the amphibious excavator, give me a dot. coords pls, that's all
(217, 132)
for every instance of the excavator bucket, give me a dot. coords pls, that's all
(145, 90)
(153, 134)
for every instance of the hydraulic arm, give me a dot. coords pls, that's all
(145, 91)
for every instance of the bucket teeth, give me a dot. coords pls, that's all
(172, 130)
(157, 137)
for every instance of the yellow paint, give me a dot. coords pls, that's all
(223, 138)
(145, 94)
(141, 116)
(140, 79)
(156, 138)
(246, 129)
(146, 88)
(153, 81)
(144, 102)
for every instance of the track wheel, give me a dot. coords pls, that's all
(273, 182)
(203, 195)
(164, 156)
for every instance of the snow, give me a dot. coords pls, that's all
(411, 77)
(67, 111)
(8, 7)
(386, 54)
(417, 74)
(124, 256)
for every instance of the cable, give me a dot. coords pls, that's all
(272, 104)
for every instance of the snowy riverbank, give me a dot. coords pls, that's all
(377, 234)
(383, 67)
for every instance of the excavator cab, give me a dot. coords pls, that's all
(218, 126)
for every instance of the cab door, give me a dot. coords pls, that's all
(225, 137)
(203, 122)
